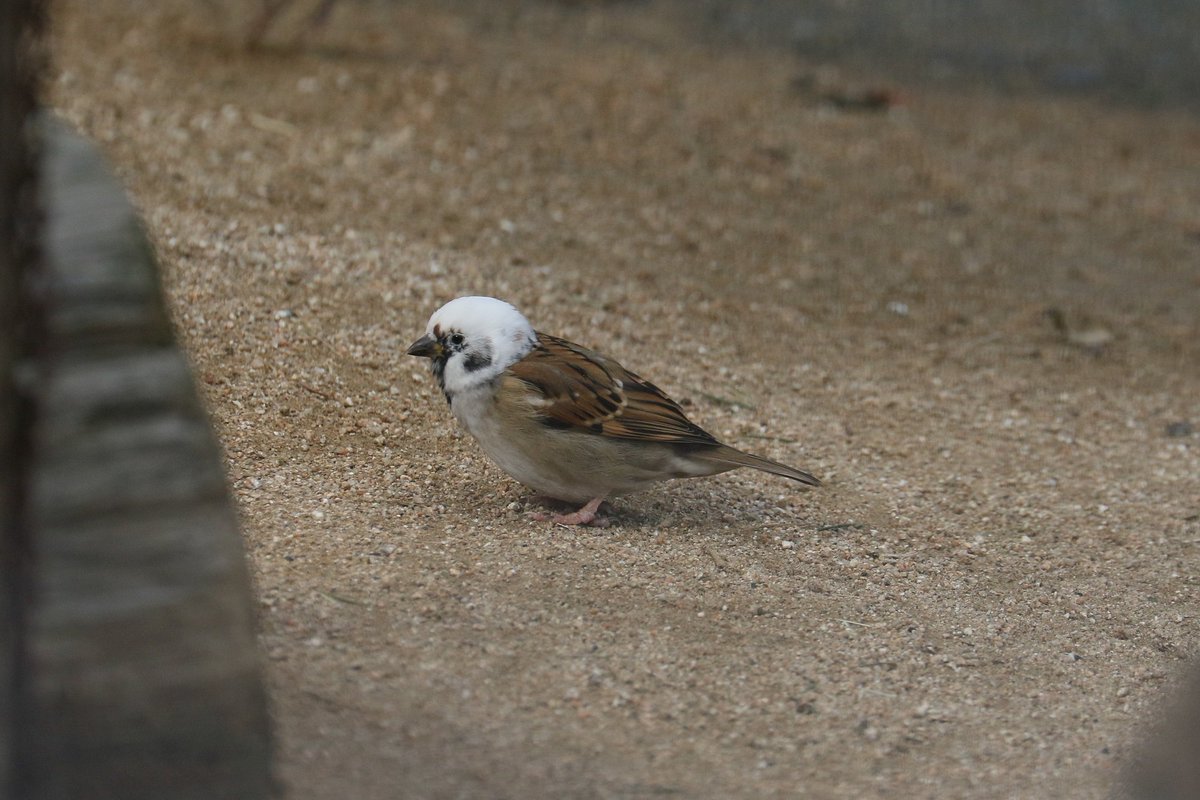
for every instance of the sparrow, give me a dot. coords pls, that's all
(567, 422)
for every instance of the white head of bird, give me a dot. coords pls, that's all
(471, 340)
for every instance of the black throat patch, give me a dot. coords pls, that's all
(438, 367)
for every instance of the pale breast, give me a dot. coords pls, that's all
(564, 464)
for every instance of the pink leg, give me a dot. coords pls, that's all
(584, 516)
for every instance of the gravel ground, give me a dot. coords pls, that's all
(975, 316)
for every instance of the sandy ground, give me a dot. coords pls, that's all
(988, 597)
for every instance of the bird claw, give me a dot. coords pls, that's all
(572, 520)
(584, 516)
(589, 520)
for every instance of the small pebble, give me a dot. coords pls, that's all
(1180, 429)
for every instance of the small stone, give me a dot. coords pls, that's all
(1090, 339)
(1180, 429)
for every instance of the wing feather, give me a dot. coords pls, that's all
(585, 391)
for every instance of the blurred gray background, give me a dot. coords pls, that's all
(1135, 50)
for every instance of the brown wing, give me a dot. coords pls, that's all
(586, 391)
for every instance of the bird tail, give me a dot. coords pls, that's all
(736, 458)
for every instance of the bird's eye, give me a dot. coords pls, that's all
(457, 339)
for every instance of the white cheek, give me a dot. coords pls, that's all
(458, 378)
(455, 376)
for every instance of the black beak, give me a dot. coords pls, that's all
(426, 347)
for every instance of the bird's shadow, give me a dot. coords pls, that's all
(683, 505)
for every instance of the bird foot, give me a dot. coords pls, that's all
(585, 516)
